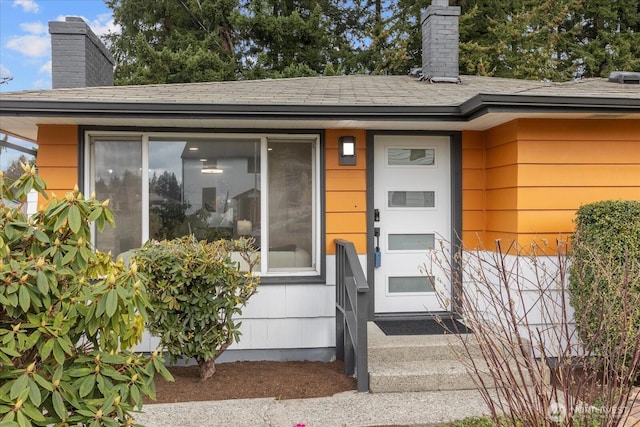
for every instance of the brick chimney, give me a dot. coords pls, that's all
(78, 57)
(440, 39)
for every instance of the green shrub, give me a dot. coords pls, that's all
(604, 282)
(69, 316)
(195, 290)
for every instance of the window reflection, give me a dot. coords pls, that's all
(210, 186)
(203, 186)
(118, 177)
(290, 204)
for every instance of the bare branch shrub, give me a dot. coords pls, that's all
(525, 355)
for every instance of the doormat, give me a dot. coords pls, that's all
(421, 327)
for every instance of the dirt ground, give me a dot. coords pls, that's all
(242, 380)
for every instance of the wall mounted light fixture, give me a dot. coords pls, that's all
(347, 150)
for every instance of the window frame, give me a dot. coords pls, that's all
(315, 138)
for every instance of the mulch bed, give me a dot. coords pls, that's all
(242, 380)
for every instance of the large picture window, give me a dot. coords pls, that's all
(215, 187)
(117, 176)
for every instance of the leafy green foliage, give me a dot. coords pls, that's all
(604, 280)
(168, 41)
(289, 38)
(196, 289)
(14, 169)
(556, 40)
(165, 41)
(69, 316)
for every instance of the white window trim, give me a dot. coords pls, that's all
(144, 137)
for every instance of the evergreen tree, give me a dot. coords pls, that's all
(168, 41)
(296, 37)
(173, 41)
(610, 37)
(552, 39)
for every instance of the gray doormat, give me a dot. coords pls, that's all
(421, 327)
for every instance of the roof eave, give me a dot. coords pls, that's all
(482, 104)
(229, 111)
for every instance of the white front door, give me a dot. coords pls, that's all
(412, 198)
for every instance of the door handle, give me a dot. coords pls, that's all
(377, 255)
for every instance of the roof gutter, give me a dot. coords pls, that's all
(227, 111)
(482, 104)
(471, 109)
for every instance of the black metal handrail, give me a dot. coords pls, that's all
(351, 313)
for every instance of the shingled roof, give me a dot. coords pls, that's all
(357, 101)
(353, 90)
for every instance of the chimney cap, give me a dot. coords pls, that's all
(624, 77)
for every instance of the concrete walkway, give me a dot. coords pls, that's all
(348, 409)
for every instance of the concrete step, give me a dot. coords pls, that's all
(383, 348)
(387, 377)
(423, 363)
(439, 375)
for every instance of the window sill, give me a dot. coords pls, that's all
(292, 280)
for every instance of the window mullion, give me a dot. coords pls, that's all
(264, 205)
(145, 188)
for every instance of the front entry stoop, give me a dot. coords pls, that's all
(416, 362)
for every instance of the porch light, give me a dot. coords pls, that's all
(347, 150)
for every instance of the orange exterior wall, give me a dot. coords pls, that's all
(538, 172)
(521, 181)
(58, 157)
(346, 200)
(346, 193)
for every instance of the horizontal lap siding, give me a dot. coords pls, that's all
(473, 195)
(501, 220)
(536, 173)
(563, 164)
(58, 157)
(345, 193)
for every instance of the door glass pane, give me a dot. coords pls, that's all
(205, 186)
(411, 199)
(406, 284)
(290, 204)
(411, 156)
(399, 242)
(118, 177)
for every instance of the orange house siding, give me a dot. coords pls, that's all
(537, 172)
(522, 180)
(58, 157)
(346, 193)
(473, 194)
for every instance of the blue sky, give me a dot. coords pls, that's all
(25, 44)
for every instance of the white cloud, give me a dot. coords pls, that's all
(103, 24)
(27, 5)
(41, 84)
(4, 71)
(34, 28)
(45, 68)
(34, 46)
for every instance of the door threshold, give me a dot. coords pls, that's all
(420, 315)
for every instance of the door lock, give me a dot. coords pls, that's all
(377, 255)
(376, 214)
